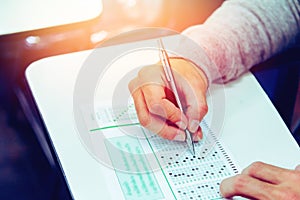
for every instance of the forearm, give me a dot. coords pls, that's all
(243, 33)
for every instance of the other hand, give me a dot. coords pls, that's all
(264, 181)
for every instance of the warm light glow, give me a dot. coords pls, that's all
(131, 3)
(128, 3)
(143, 9)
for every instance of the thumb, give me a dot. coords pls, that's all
(196, 106)
(192, 84)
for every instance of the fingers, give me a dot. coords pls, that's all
(157, 104)
(263, 181)
(246, 186)
(164, 130)
(267, 173)
(151, 121)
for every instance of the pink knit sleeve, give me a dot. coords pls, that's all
(242, 33)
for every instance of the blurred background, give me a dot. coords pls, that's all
(31, 30)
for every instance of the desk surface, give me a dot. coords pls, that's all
(252, 128)
(19, 16)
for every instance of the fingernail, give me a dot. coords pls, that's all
(197, 136)
(181, 125)
(179, 137)
(194, 125)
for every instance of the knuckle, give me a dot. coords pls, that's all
(204, 108)
(255, 167)
(295, 176)
(131, 85)
(144, 120)
(239, 183)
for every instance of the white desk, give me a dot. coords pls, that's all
(252, 131)
(25, 15)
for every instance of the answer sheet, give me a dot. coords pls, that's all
(149, 167)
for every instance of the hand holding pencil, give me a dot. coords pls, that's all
(156, 104)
